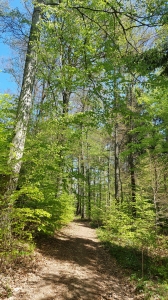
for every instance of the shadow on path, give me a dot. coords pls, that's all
(76, 250)
(78, 267)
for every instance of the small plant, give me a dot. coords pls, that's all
(5, 290)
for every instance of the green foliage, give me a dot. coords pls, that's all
(26, 222)
(47, 169)
(121, 227)
(94, 55)
(134, 244)
(15, 238)
(97, 216)
(28, 195)
(28, 217)
(7, 112)
(62, 209)
(35, 213)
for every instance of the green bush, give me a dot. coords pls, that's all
(36, 212)
(61, 208)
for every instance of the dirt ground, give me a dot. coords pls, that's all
(73, 265)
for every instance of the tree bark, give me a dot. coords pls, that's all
(131, 160)
(83, 187)
(25, 103)
(116, 166)
(133, 183)
(65, 99)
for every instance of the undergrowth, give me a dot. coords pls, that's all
(147, 266)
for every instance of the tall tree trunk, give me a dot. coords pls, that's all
(89, 192)
(83, 188)
(78, 208)
(100, 188)
(133, 183)
(25, 103)
(83, 173)
(116, 166)
(155, 190)
(117, 179)
(131, 159)
(108, 180)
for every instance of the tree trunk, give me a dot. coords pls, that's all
(25, 104)
(131, 160)
(117, 179)
(78, 208)
(133, 183)
(89, 193)
(108, 180)
(83, 187)
(83, 173)
(116, 166)
(65, 99)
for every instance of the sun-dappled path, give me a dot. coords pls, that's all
(73, 266)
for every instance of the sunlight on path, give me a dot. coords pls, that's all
(74, 266)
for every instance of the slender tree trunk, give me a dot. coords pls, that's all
(155, 191)
(116, 166)
(131, 159)
(89, 193)
(133, 183)
(83, 172)
(78, 208)
(25, 103)
(117, 183)
(83, 208)
(100, 189)
(108, 180)
(65, 99)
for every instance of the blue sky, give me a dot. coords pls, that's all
(7, 84)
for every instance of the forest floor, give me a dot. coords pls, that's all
(73, 265)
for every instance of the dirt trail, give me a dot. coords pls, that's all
(73, 266)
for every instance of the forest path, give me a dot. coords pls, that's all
(73, 265)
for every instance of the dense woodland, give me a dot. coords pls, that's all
(87, 134)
